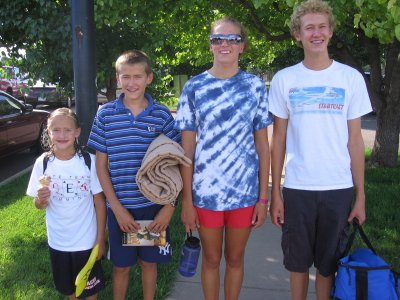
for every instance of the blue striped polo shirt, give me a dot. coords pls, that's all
(125, 139)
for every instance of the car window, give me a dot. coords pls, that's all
(8, 107)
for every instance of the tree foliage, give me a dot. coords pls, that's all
(175, 35)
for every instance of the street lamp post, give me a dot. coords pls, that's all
(83, 47)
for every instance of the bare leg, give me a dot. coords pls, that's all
(299, 285)
(211, 241)
(149, 279)
(323, 286)
(235, 245)
(120, 280)
(93, 297)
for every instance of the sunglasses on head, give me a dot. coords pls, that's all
(231, 39)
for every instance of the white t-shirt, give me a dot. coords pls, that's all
(70, 217)
(318, 105)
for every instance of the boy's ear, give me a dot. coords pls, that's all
(150, 78)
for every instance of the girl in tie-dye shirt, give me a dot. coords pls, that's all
(223, 116)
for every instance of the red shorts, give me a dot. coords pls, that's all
(236, 218)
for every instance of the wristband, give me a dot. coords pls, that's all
(263, 201)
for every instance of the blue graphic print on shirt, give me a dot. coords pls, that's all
(224, 113)
(317, 100)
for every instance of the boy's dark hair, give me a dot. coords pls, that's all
(132, 57)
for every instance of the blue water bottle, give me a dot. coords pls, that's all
(189, 256)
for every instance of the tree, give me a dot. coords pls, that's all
(43, 29)
(368, 35)
(174, 34)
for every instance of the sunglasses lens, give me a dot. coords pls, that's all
(231, 39)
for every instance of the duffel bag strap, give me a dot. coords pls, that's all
(396, 283)
(358, 228)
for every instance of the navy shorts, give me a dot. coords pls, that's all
(67, 265)
(315, 228)
(126, 256)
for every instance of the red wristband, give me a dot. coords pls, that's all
(263, 201)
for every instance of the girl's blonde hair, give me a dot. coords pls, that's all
(311, 7)
(66, 112)
(226, 19)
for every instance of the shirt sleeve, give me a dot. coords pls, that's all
(37, 171)
(262, 118)
(186, 117)
(95, 185)
(97, 138)
(170, 131)
(277, 99)
(359, 103)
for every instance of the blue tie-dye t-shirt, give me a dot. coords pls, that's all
(224, 113)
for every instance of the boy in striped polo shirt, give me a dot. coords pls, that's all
(122, 131)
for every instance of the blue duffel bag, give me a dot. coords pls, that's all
(363, 275)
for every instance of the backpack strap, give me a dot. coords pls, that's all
(86, 157)
(45, 161)
(88, 160)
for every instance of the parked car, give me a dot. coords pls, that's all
(49, 95)
(21, 126)
(13, 82)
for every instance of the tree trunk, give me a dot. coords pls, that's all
(111, 88)
(386, 145)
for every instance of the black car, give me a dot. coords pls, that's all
(21, 126)
(49, 95)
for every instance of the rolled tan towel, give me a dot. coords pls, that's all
(159, 178)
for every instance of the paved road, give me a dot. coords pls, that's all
(18, 163)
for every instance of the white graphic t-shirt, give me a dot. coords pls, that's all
(70, 217)
(318, 105)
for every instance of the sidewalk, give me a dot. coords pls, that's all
(265, 277)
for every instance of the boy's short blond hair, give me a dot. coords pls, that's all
(132, 57)
(311, 7)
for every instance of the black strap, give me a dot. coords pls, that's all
(86, 157)
(45, 161)
(362, 285)
(396, 282)
(357, 228)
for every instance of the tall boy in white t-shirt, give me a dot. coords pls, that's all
(318, 105)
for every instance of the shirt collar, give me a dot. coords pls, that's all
(120, 102)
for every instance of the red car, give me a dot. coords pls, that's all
(21, 126)
(12, 83)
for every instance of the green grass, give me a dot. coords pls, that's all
(382, 188)
(24, 260)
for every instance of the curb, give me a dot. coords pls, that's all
(28, 169)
